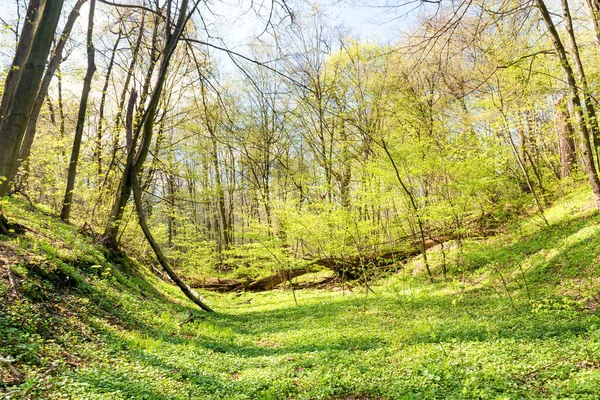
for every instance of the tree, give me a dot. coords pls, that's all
(36, 40)
(55, 61)
(87, 84)
(578, 108)
(144, 131)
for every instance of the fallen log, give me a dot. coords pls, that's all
(268, 283)
(327, 282)
(218, 285)
(360, 266)
(354, 267)
(259, 285)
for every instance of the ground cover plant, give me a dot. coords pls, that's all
(518, 320)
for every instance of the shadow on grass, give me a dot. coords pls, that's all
(345, 326)
(203, 365)
(332, 333)
(574, 252)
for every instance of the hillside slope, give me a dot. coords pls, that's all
(517, 318)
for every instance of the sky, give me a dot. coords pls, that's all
(371, 22)
(237, 27)
(363, 22)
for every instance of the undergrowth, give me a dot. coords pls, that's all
(516, 317)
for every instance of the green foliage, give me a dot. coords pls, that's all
(456, 139)
(121, 333)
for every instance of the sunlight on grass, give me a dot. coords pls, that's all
(130, 335)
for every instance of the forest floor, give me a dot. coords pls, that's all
(518, 319)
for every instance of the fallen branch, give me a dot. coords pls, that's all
(346, 268)
(22, 193)
(281, 276)
(354, 267)
(259, 285)
(219, 285)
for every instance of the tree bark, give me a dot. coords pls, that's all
(258, 285)
(521, 165)
(130, 70)
(19, 107)
(34, 10)
(211, 126)
(414, 207)
(566, 141)
(591, 118)
(100, 131)
(87, 85)
(135, 160)
(594, 6)
(55, 61)
(587, 152)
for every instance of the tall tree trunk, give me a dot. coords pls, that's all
(55, 61)
(414, 206)
(211, 127)
(587, 152)
(137, 197)
(587, 96)
(566, 141)
(87, 85)
(123, 97)
(30, 77)
(521, 165)
(61, 109)
(130, 70)
(232, 187)
(32, 19)
(136, 159)
(129, 120)
(346, 174)
(155, 54)
(100, 129)
(530, 148)
(220, 193)
(594, 6)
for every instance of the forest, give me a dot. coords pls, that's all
(252, 200)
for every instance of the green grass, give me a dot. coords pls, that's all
(516, 319)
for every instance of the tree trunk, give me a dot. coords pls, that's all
(414, 207)
(4, 225)
(134, 57)
(34, 11)
(566, 141)
(87, 85)
(521, 165)
(19, 107)
(135, 160)
(587, 96)
(594, 6)
(346, 175)
(137, 197)
(55, 61)
(100, 129)
(211, 126)
(225, 285)
(61, 109)
(587, 152)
